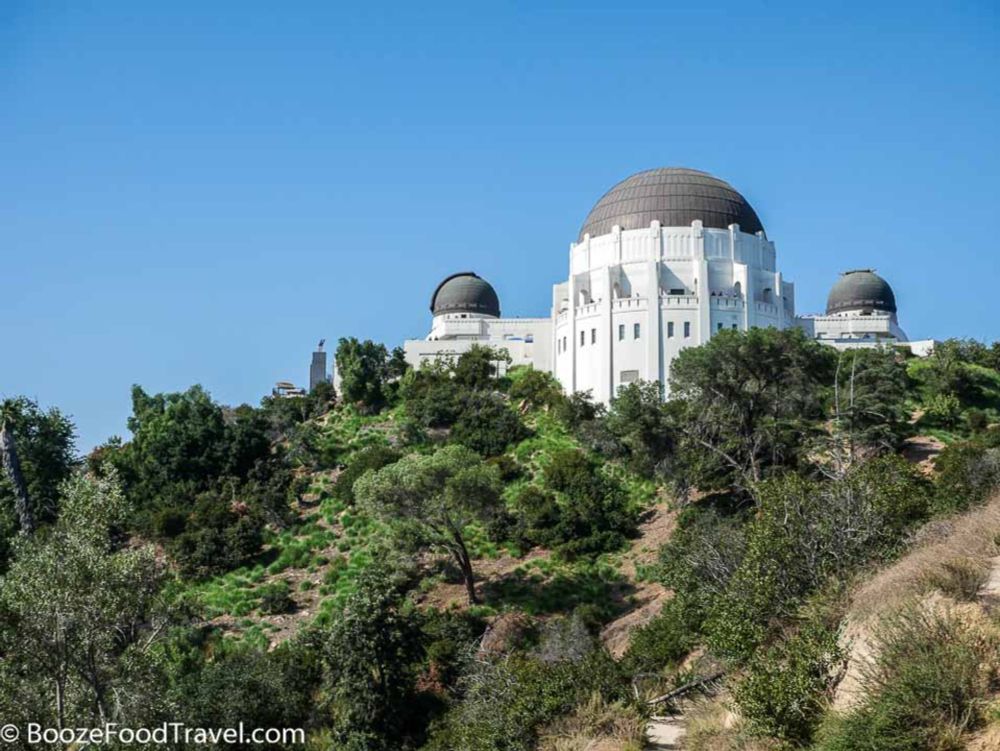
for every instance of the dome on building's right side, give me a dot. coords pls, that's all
(673, 196)
(861, 289)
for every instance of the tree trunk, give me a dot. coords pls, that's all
(465, 564)
(22, 503)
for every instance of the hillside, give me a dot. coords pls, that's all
(796, 550)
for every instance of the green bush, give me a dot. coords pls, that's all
(798, 541)
(784, 690)
(507, 701)
(580, 511)
(967, 474)
(242, 684)
(534, 388)
(374, 458)
(486, 424)
(216, 538)
(664, 641)
(276, 598)
(944, 410)
(928, 684)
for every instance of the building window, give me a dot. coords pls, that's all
(635, 331)
(593, 336)
(670, 329)
(687, 329)
(564, 344)
(621, 331)
(718, 326)
(628, 376)
(734, 327)
(583, 339)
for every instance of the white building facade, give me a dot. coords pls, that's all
(466, 312)
(666, 259)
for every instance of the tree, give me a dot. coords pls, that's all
(222, 685)
(365, 370)
(369, 655)
(487, 424)
(870, 392)
(367, 459)
(12, 466)
(178, 445)
(36, 449)
(478, 368)
(588, 513)
(431, 397)
(640, 420)
(750, 401)
(534, 389)
(807, 532)
(83, 610)
(432, 499)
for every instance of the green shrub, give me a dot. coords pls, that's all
(486, 424)
(584, 512)
(534, 388)
(371, 458)
(976, 420)
(943, 410)
(927, 684)
(507, 701)
(783, 692)
(276, 598)
(798, 541)
(967, 474)
(664, 641)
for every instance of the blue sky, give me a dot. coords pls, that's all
(197, 192)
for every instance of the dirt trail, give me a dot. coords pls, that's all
(665, 733)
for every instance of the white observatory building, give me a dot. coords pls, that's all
(664, 260)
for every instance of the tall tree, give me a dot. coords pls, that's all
(365, 370)
(12, 466)
(869, 404)
(750, 399)
(369, 655)
(36, 449)
(432, 499)
(82, 610)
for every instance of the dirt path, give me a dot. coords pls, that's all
(665, 733)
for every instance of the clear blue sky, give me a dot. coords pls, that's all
(198, 192)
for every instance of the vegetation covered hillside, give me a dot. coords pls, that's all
(797, 550)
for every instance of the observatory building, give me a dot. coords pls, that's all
(664, 260)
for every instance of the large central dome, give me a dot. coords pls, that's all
(676, 197)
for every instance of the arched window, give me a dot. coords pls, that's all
(738, 289)
(584, 297)
(617, 290)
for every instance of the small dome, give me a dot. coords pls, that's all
(863, 290)
(465, 293)
(676, 197)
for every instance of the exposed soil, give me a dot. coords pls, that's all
(922, 450)
(655, 529)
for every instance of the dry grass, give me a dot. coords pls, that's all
(950, 563)
(596, 725)
(951, 557)
(712, 726)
